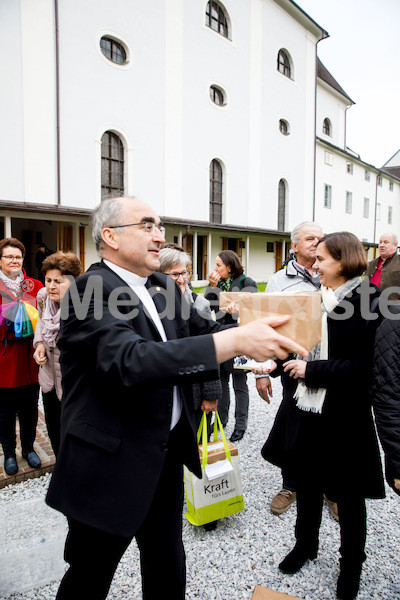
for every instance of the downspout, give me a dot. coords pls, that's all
(57, 49)
(315, 128)
(376, 205)
(324, 36)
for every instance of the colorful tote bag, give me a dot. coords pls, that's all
(19, 317)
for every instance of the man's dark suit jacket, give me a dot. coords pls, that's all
(118, 379)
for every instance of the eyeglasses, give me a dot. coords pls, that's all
(11, 258)
(148, 226)
(184, 274)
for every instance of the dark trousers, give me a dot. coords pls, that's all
(94, 555)
(24, 401)
(52, 413)
(352, 521)
(241, 398)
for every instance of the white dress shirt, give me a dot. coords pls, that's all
(137, 284)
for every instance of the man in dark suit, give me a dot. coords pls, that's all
(130, 350)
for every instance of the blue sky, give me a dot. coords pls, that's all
(363, 54)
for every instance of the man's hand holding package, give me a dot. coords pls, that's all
(257, 339)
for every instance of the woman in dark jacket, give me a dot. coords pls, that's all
(228, 276)
(334, 448)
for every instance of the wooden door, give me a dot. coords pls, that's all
(278, 255)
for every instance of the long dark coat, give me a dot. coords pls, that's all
(118, 378)
(386, 393)
(342, 440)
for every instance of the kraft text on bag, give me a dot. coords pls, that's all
(218, 493)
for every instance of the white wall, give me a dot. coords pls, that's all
(336, 218)
(28, 111)
(287, 157)
(160, 106)
(98, 95)
(333, 106)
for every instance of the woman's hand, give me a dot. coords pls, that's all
(213, 278)
(40, 354)
(262, 370)
(397, 483)
(295, 368)
(231, 309)
(208, 406)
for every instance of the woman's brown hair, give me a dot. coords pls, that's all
(65, 262)
(12, 243)
(347, 248)
(231, 260)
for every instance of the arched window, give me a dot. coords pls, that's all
(112, 165)
(281, 205)
(327, 127)
(216, 192)
(217, 95)
(216, 18)
(113, 50)
(283, 64)
(284, 127)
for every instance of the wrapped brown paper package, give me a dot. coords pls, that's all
(304, 308)
(226, 298)
(216, 451)
(262, 593)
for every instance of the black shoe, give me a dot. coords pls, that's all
(236, 435)
(10, 465)
(349, 582)
(33, 460)
(210, 526)
(293, 562)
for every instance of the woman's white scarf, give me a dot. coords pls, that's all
(14, 285)
(310, 399)
(50, 322)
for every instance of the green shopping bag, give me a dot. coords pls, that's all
(218, 493)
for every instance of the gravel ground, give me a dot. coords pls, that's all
(246, 548)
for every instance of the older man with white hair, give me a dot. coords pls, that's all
(384, 271)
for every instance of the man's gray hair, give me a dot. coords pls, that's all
(107, 213)
(169, 257)
(393, 236)
(295, 233)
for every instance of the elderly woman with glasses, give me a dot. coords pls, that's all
(176, 263)
(19, 387)
(58, 270)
